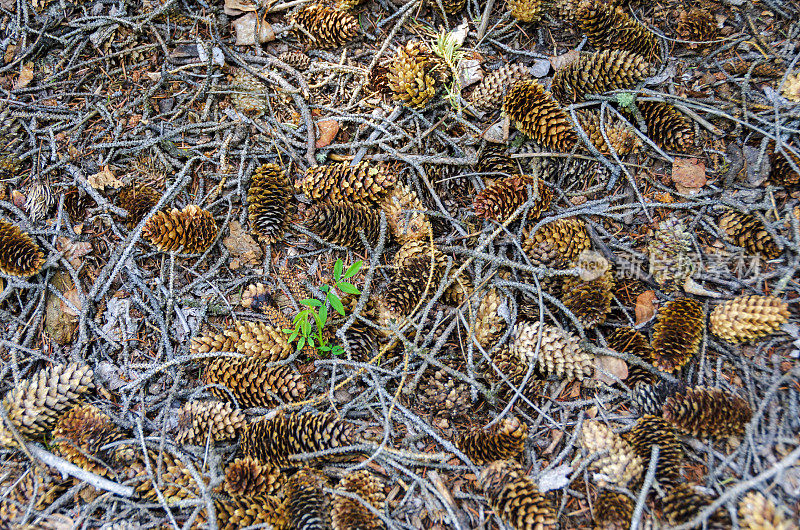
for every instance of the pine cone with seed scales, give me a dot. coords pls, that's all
(748, 317)
(199, 421)
(628, 340)
(256, 297)
(504, 441)
(27, 488)
(138, 199)
(666, 125)
(324, 26)
(608, 27)
(650, 431)
(756, 512)
(558, 243)
(526, 10)
(308, 507)
(248, 93)
(502, 198)
(80, 434)
(33, 406)
(19, 254)
(566, 9)
(173, 479)
(191, 230)
(276, 440)
(513, 369)
(405, 214)
(491, 91)
(340, 224)
(413, 74)
(494, 159)
(536, 114)
(489, 325)
(621, 465)
(683, 503)
(781, 172)
(412, 284)
(457, 291)
(349, 514)
(270, 203)
(249, 476)
(677, 333)
(440, 393)
(363, 183)
(650, 398)
(613, 511)
(254, 339)
(708, 412)
(746, 230)
(621, 136)
(589, 301)
(559, 355)
(670, 254)
(245, 511)
(451, 7)
(253, 382)
(599, 72)
(515, 497)
(297, 60)
(756, 68)
(697, 25)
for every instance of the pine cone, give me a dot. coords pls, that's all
(457, 291)
(503, 441)
(666, 126)
(19, 255)
(559, 355)
(613, 511)
(494, 159)
(756, 68)
(349, 514)
(191, 230)
(254, 339)
(253, 382)
(405, 214)
(308, 507)
(650, 398)
(781, 172)
(599, 72)
(677, 333)
(451, 7)
(249, 476)
(756, 512)
(362, 339)
(621, 137)
(670, 255)
(245, 511)
(10, 165)
(248, 93)
(621, 465)
(412, 284)
(515, 498)
(697, 26)
(256, 297)
(80, 434)
(324, 26)
(590, 301)
(172, 477)
(514, 369)
(34, 406)
(748, 317)
(270, 203)
(440, 393)
(297, 60)
(489, 325)
(628, 340)
(566, 9)
(491, 91)
(362, 184)
(526, 10)
(413, 74)
(650, 431)
(276, 440)
(138, 199)
(217, 421)
(25, 489)
(340, 224)
(708, 412)
(555, 245)
(746, 230)
(683, 503)
(501, 199)
(536, 114)
(608, 27)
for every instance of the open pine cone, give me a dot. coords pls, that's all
(324, 26)
(191, 230)
(19, 255)
(270, 203)
(677, 333)
(534, 112)
(599, 72)
(748, 317)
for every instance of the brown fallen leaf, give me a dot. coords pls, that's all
(689, 175)
(104, 179)
(25, 76)
(560, 61)
(73, 250)
(606, 366)
(239, 7)
(246, 32)
(645, 310)
(243, 248)
(326, 132)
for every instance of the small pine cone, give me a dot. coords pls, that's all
(746, 230)
(340, 224)
(440, 393)
(781, 172)
(405, 214)
(791, 88)
(33, 406)
(677, 333)
(256, 297)
(80, 434)
(756, 512)
(613, 511)
(666, 125)
(504, 441)
(491, 91)
(650, 431)
(748, 317)
(526, 10)
(566, 9)
(324, 26)
(494, 159)
(608, 27)
(297, 60)
(253, 382)
(590, 301)
(138, 199)
(559, 355)
(413, 74)
(451, 7)
(249, 476)
(173, 479)
(650, 398)
(191, 230)
(248, 93)
(349, 514)
(362, 184)
(308, 507)
(489, 325)
(756, 68)
(621, 465)
(670, 255)
(412, 284)
(621, 137)
(568, 237)
(515, 497)
(276, 440)
(628, 340)
(683, 503)
(697, 26)
(270, 203)
(599, 72)
(501, 199)
(246, 511)
(254, 339)
(199, 421)
(536, 114)
(19, 254)
(708, 412)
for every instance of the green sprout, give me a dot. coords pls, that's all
(448, 47)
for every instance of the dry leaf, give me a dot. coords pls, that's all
(689, 175)
(605, 366)
(242, 246)
(73, 298)
(560, 61)
(245, 30)
(497, 133)
(73, 250)
(25, 76)
(239, 7)
(104, 179)
(645, 310)
(326, 132)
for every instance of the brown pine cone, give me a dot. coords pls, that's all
(697, 26)
(412, 284)
(349, 5)
(781, 172)
(200, 421)
(708, 412)
(254, 339)
(746, 230)
(253, 382)
(560, 353)
(308, 507)
(491, 91)
(756, 512)
(628, 340)
(297, 60)
(270, 203)
(613, 511)
(650, 398)
(756, 68)
(621, 465)
(599, 72)
(245, 511)
(501, 199)
(566, 9)
(621, 137)
(683, 503)
(489, 325)
(249, 476)
(494, 159)
(536, 114)
(80, 434)
(440, 393)
(748, 317)
(608, 27)
(324, 26)
(362, 339)
(677, 333)
(191, 230)
(138, 199)
(362, 184)
(414, 73)
(248, 93)
(19, 254)
(172, 477)
(670, 254)
(513, 369)
(650, 431)
(340, 224)
(503, 441)
(666, 125)
(526, 10)
(350, 514)
(558, 243)
(25, 490)
(590, 301)
(457, 291)
(515, 497)
(256, 297)
(405, 215)
(451, 7)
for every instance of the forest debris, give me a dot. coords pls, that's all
(243, 248)
(689, 175)
(103, 179)
(645, 310)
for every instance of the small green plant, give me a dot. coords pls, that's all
(310, 322)
(448, 46)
